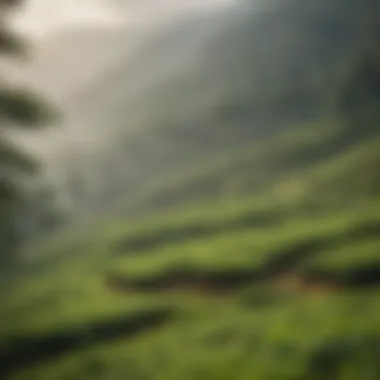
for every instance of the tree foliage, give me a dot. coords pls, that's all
(19, 108)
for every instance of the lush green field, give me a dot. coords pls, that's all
(282, 285)
(300, 338)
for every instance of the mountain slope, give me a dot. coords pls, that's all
(212, 84)
(259, 262)
(236, 280)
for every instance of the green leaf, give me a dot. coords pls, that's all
(11, 157)
(23, 108)
(11, 44)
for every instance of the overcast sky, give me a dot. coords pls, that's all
(60, 62)
(44, 17)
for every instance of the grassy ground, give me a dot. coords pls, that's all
(270, 287)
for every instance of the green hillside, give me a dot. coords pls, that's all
(255, 256)
(224, 290)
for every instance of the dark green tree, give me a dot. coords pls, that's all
(20, 108)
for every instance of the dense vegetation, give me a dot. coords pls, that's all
(19, 109)
(260, 262)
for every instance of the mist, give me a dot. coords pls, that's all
(105, 65)
(152, 91)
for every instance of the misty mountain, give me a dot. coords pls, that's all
(201, 85)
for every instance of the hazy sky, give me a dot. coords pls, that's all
(43, 17)
(63, 45)
(60, 63)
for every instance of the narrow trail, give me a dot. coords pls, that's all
(298, 284)
(289, 282)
